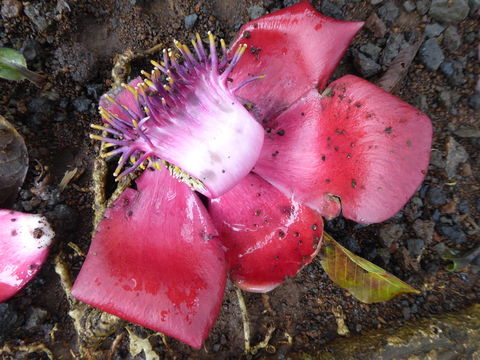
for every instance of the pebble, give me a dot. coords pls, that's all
(464, 207)
(409, 6)
(415, 247)
(423, 6)
(388, 12)
(392, 48)
(290, 2)
(255, 11)
(32, 12)
(376, 2)
(474, 103)
(190, 21)
(11, 8)
(436, 196)
(456, 154)
(436, 159)
(449, 11)
(371, 50)
(366, 66)
(413, 210)
(433, 30)
(376, 26)
(453, 70)
(390, 233)
(424, 229)
(474, 5)
(451, 39)
(453, 233)
(82, 104)
(30, 49)
(331, 10)
(431, 55)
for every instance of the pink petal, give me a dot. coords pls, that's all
(24, 243)
(297, 48)
(359, 143)
(156, 260)
(268, 236)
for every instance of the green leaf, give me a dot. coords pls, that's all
(13, 66)
(460, 260)
(367, 282)
(13, 161)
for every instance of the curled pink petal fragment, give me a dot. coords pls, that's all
(268, 236)
(24, 244)
(297, 48)
(156, 260)
(357, 142)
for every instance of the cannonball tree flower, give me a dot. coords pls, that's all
(160, 258)
(24, 243)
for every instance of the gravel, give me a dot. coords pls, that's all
(474, 102)
(409, 6)
(456, 154)
(390, 233)
(449, 11)
(433, 30)
(451, 39)
(431, 54)
(423, 6)
(436, 196)
(11, 8)
(454, 71)
(365, 65)
(40, 21)
(388, 12)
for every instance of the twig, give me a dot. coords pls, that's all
(246, 323)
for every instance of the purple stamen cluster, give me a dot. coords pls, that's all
(184, 113)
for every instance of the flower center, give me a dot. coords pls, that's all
(185, 114)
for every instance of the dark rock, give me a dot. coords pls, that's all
(330, 9)
(436, 159)
(30, 49)
(449, 98)
(474, 5)
(409, 6)
(423, 6)
(9, 319)
(366, 66)
(451, 39)
(376, 26)
(11, 8)
(371, 50)
(433, 30)
(415, 247)
(255, 11)
(463, 207)
(36, 317)
(190, 21)
(34, 14)
(474, 103)
(413, 210)
(290, 2)
(453, 70)
(388, 12)
(424, 229)
(390, 233)
(82, 104)
(392, 48)
(436, 196)
(453, 233)
(376, 2)
(456, 154)
(431, 55)
(449, 11)
(95, 90)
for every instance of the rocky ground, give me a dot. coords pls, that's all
(75, 43)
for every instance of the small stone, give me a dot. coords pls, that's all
(453, 70)
(290, 2)
(463, 207)
(453, 233)
(456, 154)
(376, 2)
(433, 30)
(371, 50)
(415, 247)
(436, 196)
(449, 11)
(390, 233)
(436, 159)
(33, 13)
(392, 48)
(388, 12)
(37, 317)
(30, 49)
(190, 21)
(474, 5)
(11, 8)
(431, 55)
(366, 66)
(255, 11)
(424, 229)
(423, 6)
(409, 6)
(330, 9)
(451, 39)
(474, 103)
(82, 104)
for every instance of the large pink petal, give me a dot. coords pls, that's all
(268, 236)
(156, 260)
(24, 244)
(297, 48)
(359, 143)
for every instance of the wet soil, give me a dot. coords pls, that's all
(75, 44)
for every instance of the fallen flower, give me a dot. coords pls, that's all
(24, 245)
(156, 259)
